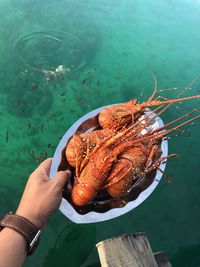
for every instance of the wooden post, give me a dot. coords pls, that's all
(161, 259)
(127, 250)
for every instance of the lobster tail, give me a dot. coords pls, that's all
(82, 194)
(121, 176)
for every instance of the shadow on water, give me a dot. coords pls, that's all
(187, 256)
(96, 264)
(73, 246)
(27, 95)
(128, 91)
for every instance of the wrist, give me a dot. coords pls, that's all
(11, 233)
(23, 227)
(33, 218)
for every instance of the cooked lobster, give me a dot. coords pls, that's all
(123, 114)
(117, 158)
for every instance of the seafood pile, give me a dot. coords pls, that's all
(115, 155)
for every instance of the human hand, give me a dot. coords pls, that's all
(42, 196)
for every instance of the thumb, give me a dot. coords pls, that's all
(44, 167)
(42, 171)
(61, 178)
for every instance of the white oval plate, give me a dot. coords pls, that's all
(93, 217)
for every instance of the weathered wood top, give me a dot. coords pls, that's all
(130, 250)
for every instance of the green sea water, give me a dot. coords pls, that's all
(111, 47)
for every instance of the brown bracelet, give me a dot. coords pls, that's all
(24, 227)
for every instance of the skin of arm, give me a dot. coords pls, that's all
(41, 197)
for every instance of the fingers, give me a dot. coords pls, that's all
(61, 178)
(42, 173)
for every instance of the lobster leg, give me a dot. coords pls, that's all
(119, 173)
(169, 178)
(156, 164)
(133, 131)
(116, 182)
(152, 153)
(125, 170)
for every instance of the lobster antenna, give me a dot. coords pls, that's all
(168, 89)
(192, 82)
(162, 111)
(189, 85)
(129, 131)
(158, 114)
(160, 135)
(179, 126)
(155, 88)
(148, 115)
(174, 121)
(158, 102)
(126, 132)
(151, 119)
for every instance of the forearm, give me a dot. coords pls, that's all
(41, 197)
(12, 248)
